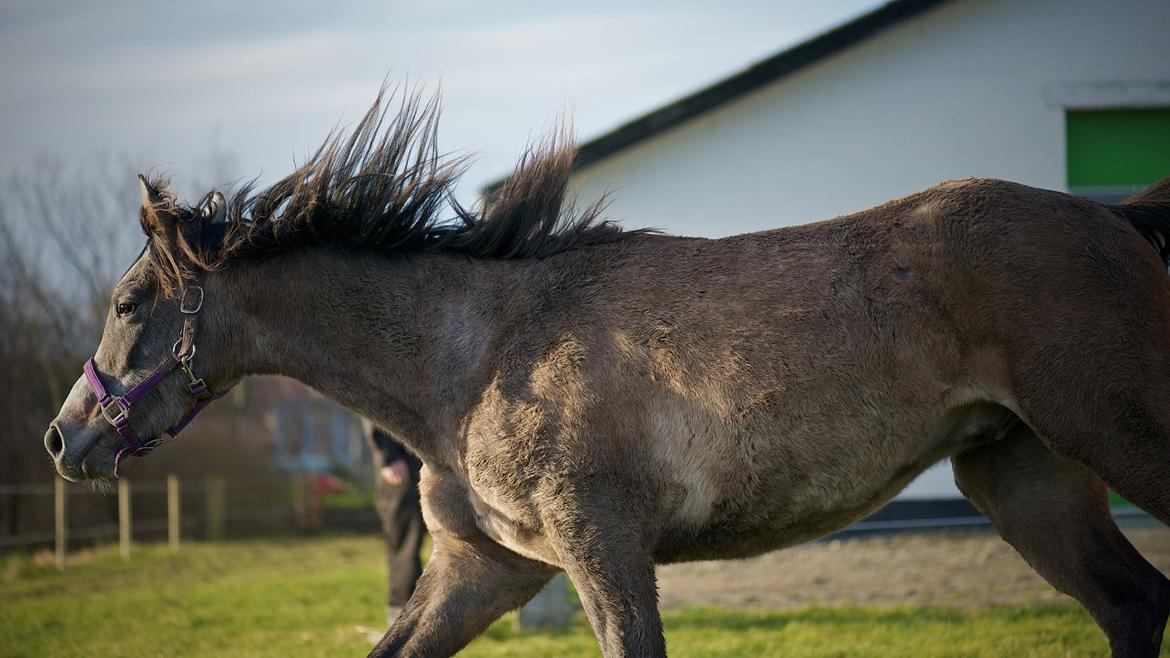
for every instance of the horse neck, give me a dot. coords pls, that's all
(397, 339)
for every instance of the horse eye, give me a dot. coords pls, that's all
(125, 308)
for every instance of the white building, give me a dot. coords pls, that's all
(1062, 94)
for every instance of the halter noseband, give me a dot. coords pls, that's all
(114, 408)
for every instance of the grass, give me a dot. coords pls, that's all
(300, 596)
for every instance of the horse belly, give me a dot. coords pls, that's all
(736, 503)
(778, 519)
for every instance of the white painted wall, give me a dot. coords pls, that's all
(973, 88)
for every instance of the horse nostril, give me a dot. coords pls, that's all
(54, 443)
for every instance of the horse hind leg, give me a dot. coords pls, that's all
(1055, 513)
(1116, 426)
(464, 587)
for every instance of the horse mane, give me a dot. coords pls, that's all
(383, 187)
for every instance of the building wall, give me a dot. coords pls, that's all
(973, 88)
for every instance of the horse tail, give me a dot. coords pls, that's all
(1149, 213)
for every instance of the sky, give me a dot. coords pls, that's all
(246, 89)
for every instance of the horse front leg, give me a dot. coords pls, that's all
(604, 548)
(464, 587)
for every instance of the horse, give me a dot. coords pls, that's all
(598, 400)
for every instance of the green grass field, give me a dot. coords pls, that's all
(324, 597)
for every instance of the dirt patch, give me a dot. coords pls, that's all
(963, 569)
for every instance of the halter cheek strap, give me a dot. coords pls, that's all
(114, 408)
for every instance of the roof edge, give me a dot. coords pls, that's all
(786, 62)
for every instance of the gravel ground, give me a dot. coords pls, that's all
(961, 569)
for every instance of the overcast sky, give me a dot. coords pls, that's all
(168, 84)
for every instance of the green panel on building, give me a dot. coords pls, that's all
(1112, 153)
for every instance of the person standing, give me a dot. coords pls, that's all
(396, 498)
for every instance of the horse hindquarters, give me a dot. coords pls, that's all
(1056, 514)
(1080, 303)
(1142, 471)
(1086, 327)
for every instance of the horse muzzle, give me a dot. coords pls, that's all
(78, 453)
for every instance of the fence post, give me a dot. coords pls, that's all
(215, 504)
(173, 521)
(125, 531)
(62, 534)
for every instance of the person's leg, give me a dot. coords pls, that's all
(387, 500)
(404, 542)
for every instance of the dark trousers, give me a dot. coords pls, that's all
(402, 523)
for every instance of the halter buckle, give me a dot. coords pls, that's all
(198, 388)
(195, 385)
(192, 300)
(117, 419)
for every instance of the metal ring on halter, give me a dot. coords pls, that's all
(183, 357)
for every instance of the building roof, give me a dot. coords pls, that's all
(784, 63)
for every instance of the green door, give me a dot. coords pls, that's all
(1114, 153)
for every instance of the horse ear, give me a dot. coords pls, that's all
(156, 213)
(150, 196)
(213, 210)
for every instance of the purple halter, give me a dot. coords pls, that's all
(114, 408)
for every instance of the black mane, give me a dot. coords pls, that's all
(383, 187)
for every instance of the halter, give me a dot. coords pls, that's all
(114, 408)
